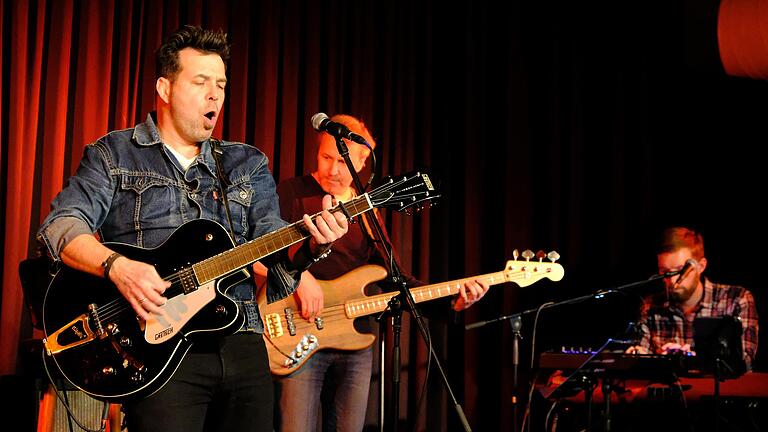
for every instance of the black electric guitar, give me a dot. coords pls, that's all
(98, 343)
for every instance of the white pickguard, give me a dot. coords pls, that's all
(177, 312)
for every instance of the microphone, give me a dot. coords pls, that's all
(322, 123)
(690, 264)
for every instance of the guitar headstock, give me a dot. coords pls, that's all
(406, 192)
(533, 268)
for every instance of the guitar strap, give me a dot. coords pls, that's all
(224, 183)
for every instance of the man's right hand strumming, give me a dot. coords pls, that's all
(140, 284)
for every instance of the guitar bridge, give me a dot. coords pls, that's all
(274, 325)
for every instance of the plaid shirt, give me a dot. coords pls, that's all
(662, 322)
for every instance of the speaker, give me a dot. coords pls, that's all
(54, 416)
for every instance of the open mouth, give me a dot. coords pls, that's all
(210, 119)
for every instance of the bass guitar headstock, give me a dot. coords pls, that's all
(533, 268)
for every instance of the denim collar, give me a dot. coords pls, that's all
(146, 134)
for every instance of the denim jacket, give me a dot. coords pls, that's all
(131, 189)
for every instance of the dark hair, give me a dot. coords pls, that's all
(208, 41)
(676, 238)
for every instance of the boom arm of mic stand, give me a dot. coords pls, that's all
(405, 294)
(574, 300)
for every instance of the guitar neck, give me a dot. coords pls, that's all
(254, 250)
(373, 304)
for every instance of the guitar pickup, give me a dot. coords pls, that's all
(289, 321)
(188, 280)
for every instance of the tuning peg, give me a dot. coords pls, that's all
(540, 255)
(528, 254)
(515, 254)
(553, 256)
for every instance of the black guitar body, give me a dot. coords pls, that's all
(104, 352)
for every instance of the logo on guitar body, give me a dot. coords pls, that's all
(79, 333)
(166, 332)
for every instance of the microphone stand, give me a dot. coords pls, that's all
(515, 321)
(395, 308)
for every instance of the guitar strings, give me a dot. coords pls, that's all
(286, 237)
(121, 305)
(286, 232)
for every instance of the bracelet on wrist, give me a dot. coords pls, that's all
(107, 264)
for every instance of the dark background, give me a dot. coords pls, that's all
(586, 129)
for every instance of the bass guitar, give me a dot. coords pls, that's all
(95, 339)
(292, 340)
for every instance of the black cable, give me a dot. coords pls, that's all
(549, 413)
(69, 417)
(373, 169)
(533, 360)
(679, 387)
(65, 402)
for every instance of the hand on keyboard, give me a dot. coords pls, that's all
(637, 349)
(676, 348)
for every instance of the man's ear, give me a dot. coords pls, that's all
(163, 88)
(361, 160)
(702, 264)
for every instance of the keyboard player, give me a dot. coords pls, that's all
(666, 320)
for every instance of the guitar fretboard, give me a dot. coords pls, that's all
(256, 249)
(378, 303)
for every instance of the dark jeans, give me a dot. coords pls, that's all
(336, 380)
(222, 385)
